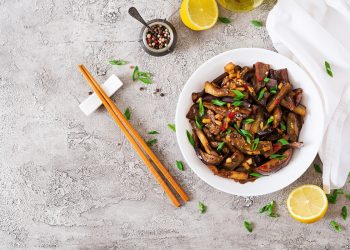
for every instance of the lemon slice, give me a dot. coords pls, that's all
(199, 14)
(307, 203)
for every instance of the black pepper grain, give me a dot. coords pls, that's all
(162, 94)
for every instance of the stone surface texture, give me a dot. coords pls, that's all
(68, 181)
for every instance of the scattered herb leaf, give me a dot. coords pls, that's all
(255, 143)
(145, 80)
(190, 138)
(238, 95)
(224, 20)
(201, 107)
(277, 156)
(248, 226)
(198, 122)
(257, 175)
(332, 197)
(153, 132)
(220, 146)
(261, 94)
(344, 212)
(270, 209)
(257, 23)
(172, 127)
(218, 102)
(135, 73)
(127, 113)
(283, 141)
(144, 74)
(202, 207)
(117, 62)
(328, 68)
(248, 121)
(152, 142)
(269, 120)
(237, 103)
(318, 168)
(180, 165)
(336, 226)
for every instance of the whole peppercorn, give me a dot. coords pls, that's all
(159, 38)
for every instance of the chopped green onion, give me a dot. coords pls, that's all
(261, 94)
(270, 209)
(248, 226)
(283, 141)
(220, 146)
(266, 79)
(202, 207)
(152, 142)
(283, 126)
(201, 107)
(238, 95)
(332, 197)
(246, 133)
(269, 120)
(172, 127)
(145, 80)
(328, 68)
(198, 122)
(153, 132)
(237, 103)
(180, 165)
(117, 62)
(135, 73)
(255, 143)
(248, 121)
(336, 226)
(257, 175)
(218, 102)
(190, 138)
(344, 212)
(318, 168)
(273, 90)
(277, 156)
(127, 113)
(257, 23)
(224, 20)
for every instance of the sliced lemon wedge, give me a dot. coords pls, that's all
(307, 203)
(199, 14)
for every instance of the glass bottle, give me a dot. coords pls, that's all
(240, 5)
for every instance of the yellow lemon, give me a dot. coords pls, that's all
(307, 203)
(199, 14)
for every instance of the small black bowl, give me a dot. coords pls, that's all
(163, 51)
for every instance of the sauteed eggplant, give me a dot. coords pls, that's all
(246, 122)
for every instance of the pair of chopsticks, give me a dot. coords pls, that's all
(137, 142)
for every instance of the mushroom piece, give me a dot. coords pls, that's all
(211, 89)
(274, 165)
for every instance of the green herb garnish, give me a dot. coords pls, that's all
(117, 62)
(273, 90)
(283, 141)
(248, 121)
(145, 80)
(228, 131)
(224, 20)
(218, 102)
(142, 76)
(198, 122)
(277, 156)
(172, 127)
(336, 226)
(190, 137)
(153, 132)
(344, 212)
(220, 146)
(237, 103)
(261, 94)
(318, 168)
(135, 73)
(180, 165)
(270, 209)
(332, 197)
(248, 226)
(201, 107)
(152, 142)
(328, 68)
(283, 126)
(246, 133)
(257, 175)
(238, 95)
(127, 113)
(266, 79)
(269, 120)
(255, 143)
(257, 23)
(202, 207)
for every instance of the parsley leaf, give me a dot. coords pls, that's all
(172, 127)
(127, 113)
(180, 165)
(248, 226)
(202, 207)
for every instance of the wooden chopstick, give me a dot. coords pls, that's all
(126, 128)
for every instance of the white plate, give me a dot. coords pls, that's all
(311, 133)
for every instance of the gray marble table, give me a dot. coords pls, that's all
(68, 181)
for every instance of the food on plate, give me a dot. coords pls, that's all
(246, 122)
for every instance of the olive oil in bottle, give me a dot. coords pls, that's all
(240, 5)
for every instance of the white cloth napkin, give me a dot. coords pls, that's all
(311, 32)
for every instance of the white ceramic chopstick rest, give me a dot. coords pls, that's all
(90, 104)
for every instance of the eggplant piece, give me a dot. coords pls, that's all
(298, 95)
(278, 97)
(217, 109)
(197, 95)
(218, 80)
(288, 102)
(208, 98)
(238, 142)
(277, 117)
(212, 89)
(234, 160)
(231, 174)
(263, 100)
(274, 165)
(204, 141)
(209, 158)
(293, 129)
(258, 119)
(193, 112)
(281, 75)
(300, 110)
(214, 169)
(271, 83)
(261, 71)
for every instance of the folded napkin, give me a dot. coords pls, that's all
(311, 32)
